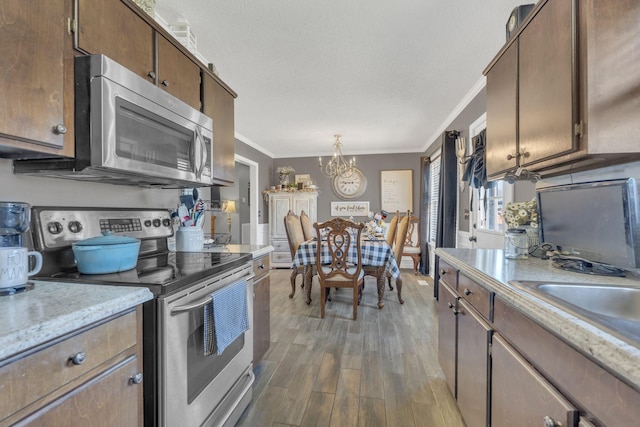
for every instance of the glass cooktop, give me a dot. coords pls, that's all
(162, 273)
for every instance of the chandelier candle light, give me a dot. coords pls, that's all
(337, 166)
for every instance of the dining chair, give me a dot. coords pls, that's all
(307, 228)
(412, 247)
(295, 236)
(341, 236)
(391, 229)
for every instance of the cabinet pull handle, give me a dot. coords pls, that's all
(78, 358)
(550, 422)
(151, 74)
(136, 379)
(467, 291)
(165, 83)
(60, 129)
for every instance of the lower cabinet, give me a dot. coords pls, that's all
(520, 396)
(261, 308)
(91, 377)
(447, 334)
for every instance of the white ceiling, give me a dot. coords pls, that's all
(384, 74)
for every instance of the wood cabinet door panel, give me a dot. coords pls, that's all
(110, 399)
(546, 78)
(112, 29)
(502, 113)
(178, 74)
(279, 207)
(473, 364)
(476, 295)
(32, 71)
(447, 274)
(218, 104)
(447, 334)
(520, 396)
(261, 318)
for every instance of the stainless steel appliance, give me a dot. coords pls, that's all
(597, 221)
(129, 131)
(182, 386)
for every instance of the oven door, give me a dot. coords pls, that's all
(199, 390)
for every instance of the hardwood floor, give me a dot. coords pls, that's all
(379, 370)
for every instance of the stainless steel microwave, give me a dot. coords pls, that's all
(129, 131)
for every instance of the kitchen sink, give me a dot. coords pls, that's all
(615, 308)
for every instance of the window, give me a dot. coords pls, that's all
(434, 196)
(491, 208)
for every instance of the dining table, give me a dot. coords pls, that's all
(375, 252)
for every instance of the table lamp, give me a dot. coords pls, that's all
(229, 207)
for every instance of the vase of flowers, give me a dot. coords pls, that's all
(524, 215)
(284, 173)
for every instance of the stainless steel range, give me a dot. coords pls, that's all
(182, 385)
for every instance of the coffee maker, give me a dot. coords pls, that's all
(15, 220)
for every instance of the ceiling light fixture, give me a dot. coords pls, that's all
(338, 165)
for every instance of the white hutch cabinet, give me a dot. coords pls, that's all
(279, 204)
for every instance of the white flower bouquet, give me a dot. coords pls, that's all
(521, 214)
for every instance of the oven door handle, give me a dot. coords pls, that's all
(198, 304)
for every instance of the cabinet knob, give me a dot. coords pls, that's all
(473, 239)
(550, 422)
(165, 83)
(136, 379)
(450, 305)
(443, 272)
(78, 358)
(467, 291)
(261, 266)
(151, 74)
(513, 156)
(60, 129)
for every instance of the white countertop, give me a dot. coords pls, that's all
(489, 268)
(255, 250)
(53, 309)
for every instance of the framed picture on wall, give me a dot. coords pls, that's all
(396, 187)
(304, 179)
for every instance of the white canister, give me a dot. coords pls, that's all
(189, 239)
(14, 266)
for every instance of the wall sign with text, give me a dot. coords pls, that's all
(348, 209)
(396, 188)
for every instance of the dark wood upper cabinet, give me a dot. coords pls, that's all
(110, 28)
(575, 99)
(36, 80)
(178, 74)
(218, 104)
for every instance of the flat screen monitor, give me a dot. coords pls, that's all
(597, 221)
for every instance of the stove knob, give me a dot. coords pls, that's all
(166, 222)
(147, 223)
(157, 222)
(75, 227)
(55, 227)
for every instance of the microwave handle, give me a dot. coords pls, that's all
(205, 155)
(197, 150)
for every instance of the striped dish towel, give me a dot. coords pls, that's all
(226, 318)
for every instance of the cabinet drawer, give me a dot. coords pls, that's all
(281, 257)
(280, 246)
(448, 274)
(36, 375)
(261, 267)
(476, 295)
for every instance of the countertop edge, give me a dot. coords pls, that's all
(37, 333)
(615, 355)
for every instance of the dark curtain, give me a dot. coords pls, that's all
(446, 232)
(425, 168)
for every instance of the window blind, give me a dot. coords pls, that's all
(434, 197)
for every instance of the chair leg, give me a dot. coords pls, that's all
(355, 302)
(322, 302)
(399, 286)
(294, 274)
(416, 261)
(389, 281)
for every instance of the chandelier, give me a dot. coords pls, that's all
(338, 165)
